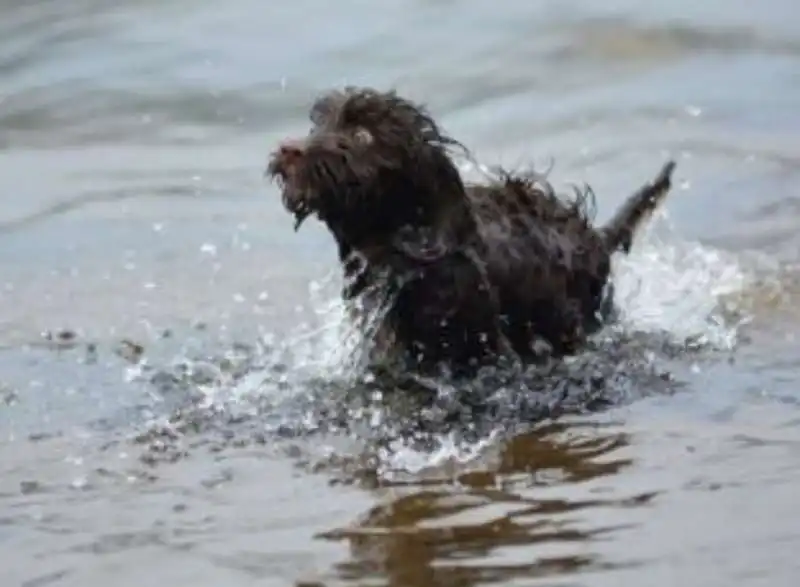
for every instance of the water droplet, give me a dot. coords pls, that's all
(80, 483)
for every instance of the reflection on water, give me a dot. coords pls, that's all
(492, 526)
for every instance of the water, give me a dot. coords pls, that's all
(132, 143)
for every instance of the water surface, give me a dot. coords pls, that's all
(132, 143)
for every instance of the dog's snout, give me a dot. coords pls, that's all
(291, 150)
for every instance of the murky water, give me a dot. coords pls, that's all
(192, 431)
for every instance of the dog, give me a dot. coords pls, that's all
(456, 275)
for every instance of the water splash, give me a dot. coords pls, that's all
(311, 382)
(682, 290)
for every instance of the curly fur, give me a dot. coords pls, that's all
(468, 272)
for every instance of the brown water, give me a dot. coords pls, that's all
(132, 143)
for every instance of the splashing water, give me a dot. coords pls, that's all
(682, 290)
(311, 382)
(677, 290)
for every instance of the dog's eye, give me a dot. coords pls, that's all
(319, 113)
(363, 136)
(316, 117)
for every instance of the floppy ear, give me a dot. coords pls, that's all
(422, 243)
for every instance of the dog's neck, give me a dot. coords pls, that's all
(421, 218)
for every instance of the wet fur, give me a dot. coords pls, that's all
(466, 273)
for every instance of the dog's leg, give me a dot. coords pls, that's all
(618, 233)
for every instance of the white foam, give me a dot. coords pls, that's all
(680, 289)
(450, 453)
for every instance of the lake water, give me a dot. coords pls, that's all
(160, 320)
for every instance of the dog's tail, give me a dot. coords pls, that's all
(620, 230)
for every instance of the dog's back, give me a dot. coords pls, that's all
(545, 260)
(549, 264)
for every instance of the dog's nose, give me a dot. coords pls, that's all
(291, 150)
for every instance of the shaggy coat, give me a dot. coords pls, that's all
(455, 275)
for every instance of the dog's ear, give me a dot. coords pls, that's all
(421, 243)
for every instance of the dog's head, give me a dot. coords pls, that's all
(372, 163)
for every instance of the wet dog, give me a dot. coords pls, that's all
(454, 275)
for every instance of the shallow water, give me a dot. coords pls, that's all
(132, 144)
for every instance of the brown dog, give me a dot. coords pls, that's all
(457, 274)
